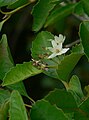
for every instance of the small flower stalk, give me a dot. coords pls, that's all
(57, 46)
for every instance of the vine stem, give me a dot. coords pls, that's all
(28, 105)
(6, 18)
(30, 99)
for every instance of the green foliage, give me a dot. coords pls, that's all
(86, 6)
(83, 113)
(62, 99)
(5, 61)
(45, 111)
(59, 13)
(4, 105)
(75, 86)
(4, 95)
(17, 109)
(79, 8)
(39, 51)
(18, 3)
(40, 44)
(84, 35)
(68, 101)
(63, 66)
(1, 24)
(40, 13)
(7, 2)
(19, 73)
(67, 65)
(20, 87)
(4, 110)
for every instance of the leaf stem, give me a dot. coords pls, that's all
(30, 99)
(28, 105)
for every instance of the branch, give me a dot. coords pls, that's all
(71, 44)
(81, 18)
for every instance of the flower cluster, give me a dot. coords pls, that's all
(56, 48)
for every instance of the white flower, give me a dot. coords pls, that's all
(59, 39)
(56, 48)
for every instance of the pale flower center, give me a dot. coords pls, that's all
(57, 50)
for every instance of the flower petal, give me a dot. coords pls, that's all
(50, 39)
(59, 39)
(52, 55)
(54, 44)
(63, 51)
(62, 38)
(56, 48)
(56, 38)
(51, 49)
(59, 46)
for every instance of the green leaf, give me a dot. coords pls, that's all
(79, 8)
(43, 110)
(20, 87)
(5, 57)
(1, 24)
(78, 49)
(18, 3)
(83, 112)
(39, 45)
(84, 35)
(67, 65)
(20, 72)
(39, 52)
(70, 115)
(40, 12)
(59, 13)
(75, 86)
(6, 63)
(4, 95)
(17, 109)
(87, 90)
(7, 2)
(4, 111)
(58, 1)
(62, 99)
(86, 6)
